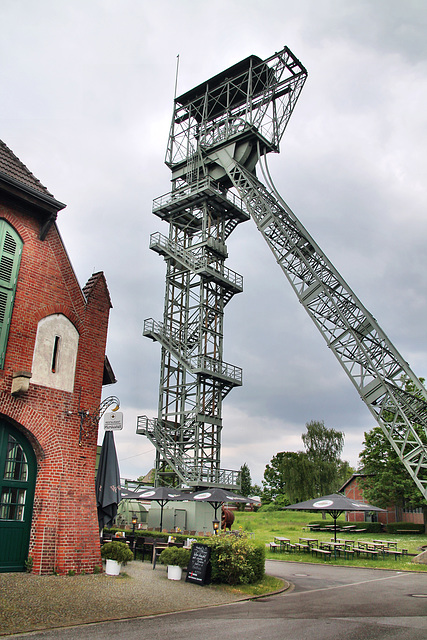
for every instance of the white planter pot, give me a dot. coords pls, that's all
(174, 572)
(112, 567)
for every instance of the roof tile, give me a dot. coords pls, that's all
(12, 167)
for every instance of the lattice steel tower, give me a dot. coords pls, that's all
(220, 130)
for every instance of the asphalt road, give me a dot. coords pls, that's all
(325, 603)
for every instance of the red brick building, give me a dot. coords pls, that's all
(52, 368)
(353, 490)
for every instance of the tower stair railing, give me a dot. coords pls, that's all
(182, 463)
(202, 364)
(198, 264)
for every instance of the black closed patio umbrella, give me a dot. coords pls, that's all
(334, 504)
(162, 495)
(107, 483)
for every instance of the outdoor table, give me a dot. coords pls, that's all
(281, 541)
(332, 546)
(381, 546)
(310, 541)
(362, 544)
(376, 546)
(349, 543)
(387, 543)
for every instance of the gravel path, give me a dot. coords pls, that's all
(29, 602)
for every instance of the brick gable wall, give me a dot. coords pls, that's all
(64, 532)
(354, 491)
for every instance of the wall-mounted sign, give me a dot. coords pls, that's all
(113, 421)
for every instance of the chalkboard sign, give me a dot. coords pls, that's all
(199, 567)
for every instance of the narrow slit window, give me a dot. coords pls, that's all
(55, 353)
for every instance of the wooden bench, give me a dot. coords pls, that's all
(397, 553)
(274, 546)
(324, 552)
(370, 552)
(302, 547)
(408, 531)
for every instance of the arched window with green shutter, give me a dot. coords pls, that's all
(10, 257)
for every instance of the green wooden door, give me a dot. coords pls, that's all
(17, 483)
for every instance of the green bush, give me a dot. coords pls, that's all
(158, 535)
(408, 527)
(118, 551)
(271, 506)
(236, 560)
(176, 556)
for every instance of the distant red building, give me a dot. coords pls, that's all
(353, 489)
(52, 365)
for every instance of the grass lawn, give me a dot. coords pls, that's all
(290, 524)
(268, 584)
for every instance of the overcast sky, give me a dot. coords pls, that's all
(86, 101)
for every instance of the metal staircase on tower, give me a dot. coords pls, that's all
(195, 379)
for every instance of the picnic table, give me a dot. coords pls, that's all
(367, 544)
(332, 546)
(312, 542)
(390, 544)
(368, 548)
(389, 547)
(281, 541)
(348, 543)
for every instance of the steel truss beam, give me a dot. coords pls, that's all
(372, 363)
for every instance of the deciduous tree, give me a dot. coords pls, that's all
(296, 476)
(386, 480)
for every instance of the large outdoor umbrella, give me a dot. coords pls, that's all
(334, 504)
(128, 494)
(107, 483)
(216, 497)
(132, 494)
(162, 495)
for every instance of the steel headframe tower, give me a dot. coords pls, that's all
(246, 105)
(220, 130)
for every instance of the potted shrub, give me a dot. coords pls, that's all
(115, 554)
(176, 559)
